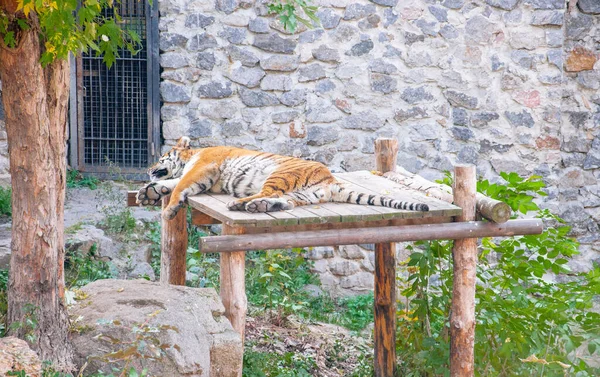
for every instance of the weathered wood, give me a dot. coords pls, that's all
(464, 255)
(174, 242)
(199, 218)
(233, 286)
(131, 199)
(491, 209)
(352, 236)
(386, 154)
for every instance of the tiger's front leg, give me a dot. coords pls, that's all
(153, 192)
(194, 182)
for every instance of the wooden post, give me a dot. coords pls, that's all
(464, 255)
(386, 152)
(233, 285)
(174, 242)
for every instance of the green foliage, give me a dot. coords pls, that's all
(75, 179)
(83, 269)
(3, 301)
(288, 12)
(527, 325)
(118, 218)
(5, 201)
(29, 323)
(268, 364)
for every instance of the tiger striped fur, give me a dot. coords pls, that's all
(262, 182)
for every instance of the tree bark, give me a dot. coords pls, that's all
(35, 102)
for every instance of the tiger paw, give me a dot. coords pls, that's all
(268, 205)
(170, 212)
(236, 205)
(151, 194)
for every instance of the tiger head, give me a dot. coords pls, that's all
(171, 164)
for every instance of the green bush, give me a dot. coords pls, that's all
(5, 201)
(76, 179)
(526, 324)
(82, 269)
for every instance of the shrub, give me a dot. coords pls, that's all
(5, 201)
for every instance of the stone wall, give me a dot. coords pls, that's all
(509, 85)
(4, 162)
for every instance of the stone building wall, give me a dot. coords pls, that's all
(4, 162)
(509, 85)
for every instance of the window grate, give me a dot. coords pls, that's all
(115, 100)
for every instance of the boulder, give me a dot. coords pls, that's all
(171, 330)
(15, 356)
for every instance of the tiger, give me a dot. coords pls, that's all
(260, 181)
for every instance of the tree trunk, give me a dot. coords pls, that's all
(35, 102)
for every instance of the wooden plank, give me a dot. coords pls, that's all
(305, 217)
(174, 243)
(324, 214)
(199, 218)
(217, 209)
(353, 212)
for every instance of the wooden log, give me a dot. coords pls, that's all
(174, 243)
(464, 255)
(386, 152)
(233, 285)
(200, 218)
(352, 236)
(491, 209)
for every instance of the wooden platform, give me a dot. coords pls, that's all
(214, 205)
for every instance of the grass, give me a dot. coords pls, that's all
(75, 180)
(82, 269)
(5, 201)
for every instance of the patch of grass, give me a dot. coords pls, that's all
(74, 228)
(82, 269)
(118, 218)
(268, 364)
(3, 300)
(76, 179)
(5, 201)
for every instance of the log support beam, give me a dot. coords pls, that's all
(174, 243)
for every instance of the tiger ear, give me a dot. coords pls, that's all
(183, 142)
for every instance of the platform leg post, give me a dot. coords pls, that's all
(386, 151)
(233, 285)
(174, 242)
(464, 255)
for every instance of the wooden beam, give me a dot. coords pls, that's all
(131, 199)
(352, 236)
(464, 255)
(200, 218)
(233, 285)
(174, 243)
(491, 209)
(386, 153)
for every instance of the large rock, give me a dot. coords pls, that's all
(192, 335)
(15, 355)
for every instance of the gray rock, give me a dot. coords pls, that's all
(589, 79)
(173, 92)
(521, 119)
(448, 32)
(486, 146)
(381, 66)
(171, 41)
(227, 6)
(142, 270)
(416, 95)
(555, 57)
(235, 35)
(439, 13)
(383, 83)
(311, 73)
(205, 60)
(326, 54)
(294, 97)
(320, 135)
(283, 63)
(428, 28)
(324, 86)
(357, 11)
(479, 29)
(201, 42)
(392, 52)
(386, 3)
(459, 99)
(551, 79)
(344, 33)
(232, 127)
(554, 37)
(481, 119)
(592, 159)
(496, 63)
(198, 20)
(547, 17)
(200, 128)
(285, 116)
(249, 77)
(246, 57)
(364, 120)
(453, 4)
(389, 17)
(311, 36)
(257, 98)
(410, 38)
(371, 22)
(325, 114)
(460, 117)
(412, 113)
(361, 48)
(461, 133)
(313, 290)
(329, 18)
(522, 58)
(215, 89)
(468, 155)
(503, 4)
(546, 4)
(343, 267)
(276, 82)
(579, 25)
(578, 118)
(259, 25)
(173, 60)
(206, 344)
(589, 6)
(274, 43)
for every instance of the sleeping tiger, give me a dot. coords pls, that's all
(262, 182)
